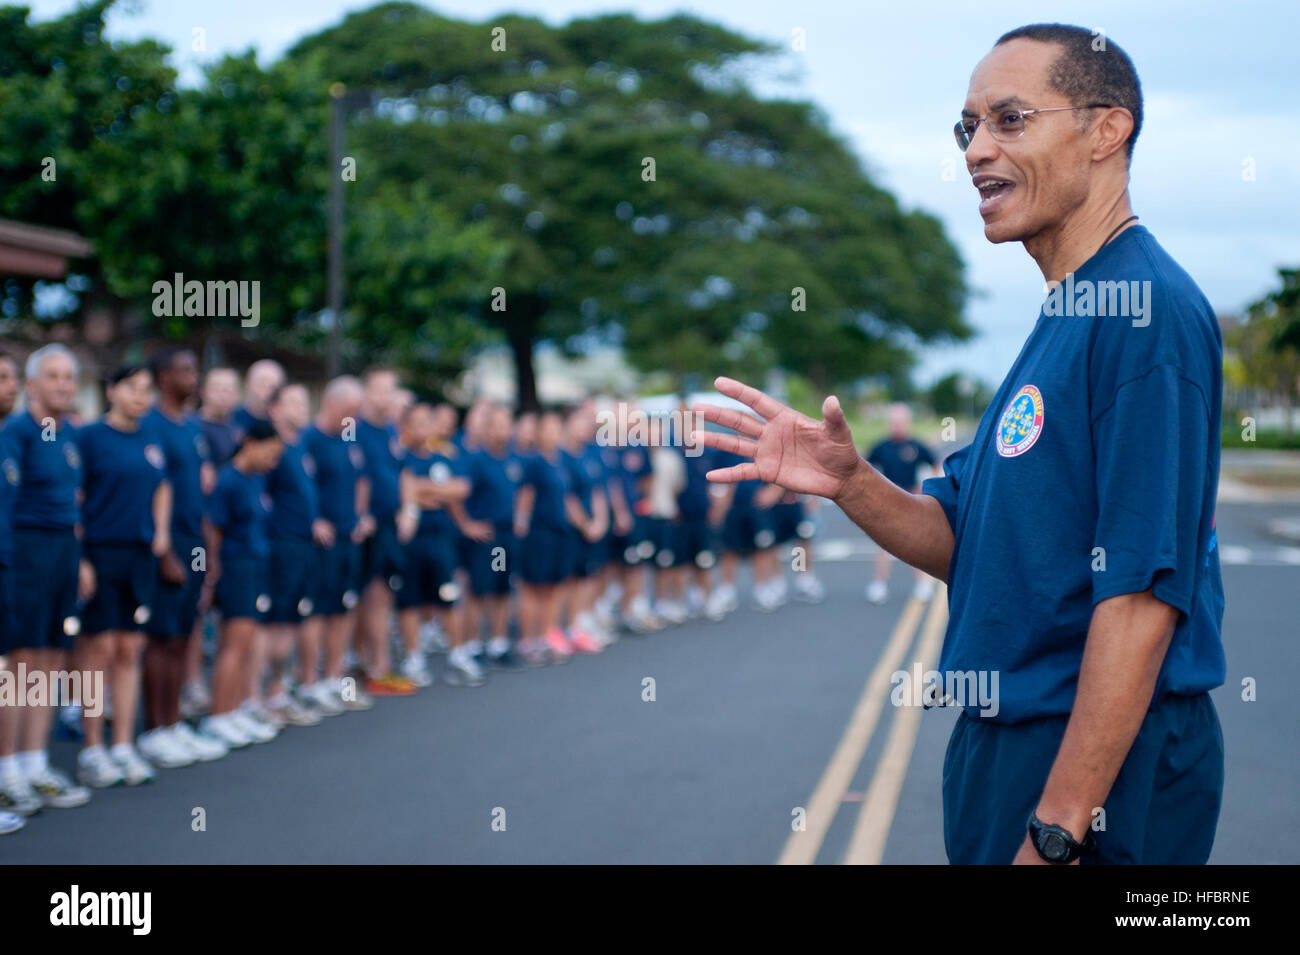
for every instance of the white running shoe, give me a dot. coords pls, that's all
(202, 747)
(223, 728)
(17, 795)
(195, 700)
(808, 588)
(877, 591)
(924, 589)
(252, 727)
(415, 669)
(765, 597)
(10, 822)
(57, 791)
(432, 639)
(135, 768)
(321, 697)
(163, 750)
(670, 611)
(463, 669)
(95, 768)
(716, 606)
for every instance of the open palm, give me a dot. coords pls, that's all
(786, 448)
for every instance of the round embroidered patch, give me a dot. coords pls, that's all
(1021, 423)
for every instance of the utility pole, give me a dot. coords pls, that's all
(341, 102)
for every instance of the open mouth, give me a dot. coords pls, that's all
(992, 192)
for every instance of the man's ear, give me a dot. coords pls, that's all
(1112, 131)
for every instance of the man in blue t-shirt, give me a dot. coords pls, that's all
(341, 492)
(42, 465)
(1076, 532)
(906, 462)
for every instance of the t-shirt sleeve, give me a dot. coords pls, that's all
(1153, 448)
(947, 486)
(923, 454)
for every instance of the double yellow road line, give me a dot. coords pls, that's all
(871, 830)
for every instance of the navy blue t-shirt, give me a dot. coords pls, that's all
(437, 466)
(49, 473)
(693, 499)
(384, 453)
(1093, 473)
(586, 474)
(223, 439)
(493, 482)
(122, 471)
(244, 419)
(241, 508)
(633, 467)
(551, 481)
(901, 460)
(339, 464)
(291, 485)
(186, 450)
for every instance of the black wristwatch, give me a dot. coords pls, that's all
(1055, 844)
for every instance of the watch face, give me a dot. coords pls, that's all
(1054, 846)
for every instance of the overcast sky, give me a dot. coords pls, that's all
(1220, 86)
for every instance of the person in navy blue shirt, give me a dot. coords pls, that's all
(168, 743)
(39, 451)
(342, 494)
(1077, 531)
(905, 461)
(382, 556)
(433, 487)
(126, 521)
(695, 544)
(545, 509)
(587, 549)
(216, 418)
(238, 551)
(490, 548)
(295, 529)
(263, 378)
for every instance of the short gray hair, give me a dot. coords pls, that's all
(36, 360)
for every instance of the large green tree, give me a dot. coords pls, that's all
(757, 238)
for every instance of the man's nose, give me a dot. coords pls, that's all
(983, 147)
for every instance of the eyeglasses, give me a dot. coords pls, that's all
(1008, 124)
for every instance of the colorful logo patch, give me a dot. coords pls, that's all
(1021, 423)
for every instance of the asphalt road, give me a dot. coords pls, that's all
(753, 720)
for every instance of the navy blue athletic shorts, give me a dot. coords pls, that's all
(338, 578)
(241, 591)
(385, 555)
(695, 544)
(544, 555)
(790, 522)
(429, 580)
(44, 609)
(489, 568)
(291, 573)
(586, 558)
(1162, 810)
(662, 533)
(126, 580)
(747, 529)
(175, 608)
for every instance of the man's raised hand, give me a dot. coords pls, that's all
(784, 446)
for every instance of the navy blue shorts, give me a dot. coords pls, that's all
(1162, 810)
(636, 546)
(176, 608)
(747, 529)
(44, 609)
(385, 556)
(695, 543)
(544, 555)
(430, 561)
(241, 591)
(338, 578)
(586, 558)
(662, 533)
(126, 580)
(490, 563)
(291, 572)
(790, 522)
